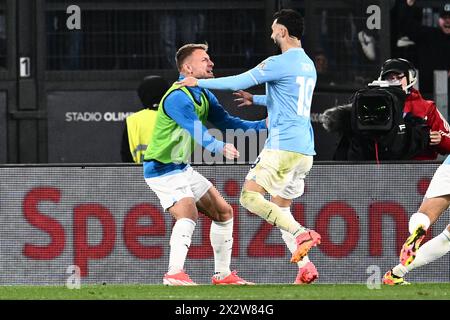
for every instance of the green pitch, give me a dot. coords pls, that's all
(208, 292)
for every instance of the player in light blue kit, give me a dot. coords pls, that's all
(287, 157)
(434, 204)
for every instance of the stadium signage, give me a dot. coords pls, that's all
(96, 116)
(107, 222)
(258, 246)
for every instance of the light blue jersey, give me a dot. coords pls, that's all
(447, 160)
(290, 79)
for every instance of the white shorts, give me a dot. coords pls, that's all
(440, 184)
(172, 188)
(280, 172)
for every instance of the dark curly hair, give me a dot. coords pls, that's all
(292, 20)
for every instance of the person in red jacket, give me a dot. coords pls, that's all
(403, 71)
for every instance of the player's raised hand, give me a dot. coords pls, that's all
(244, 98)
(188, 82)
(230, 152)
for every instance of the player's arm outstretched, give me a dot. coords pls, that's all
(266, 71)
(234, 83)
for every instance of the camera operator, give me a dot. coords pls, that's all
(418, 130)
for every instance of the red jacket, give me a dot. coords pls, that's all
(426, 109)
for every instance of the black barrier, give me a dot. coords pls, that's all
(3, 130)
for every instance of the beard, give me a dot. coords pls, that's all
(277, 43)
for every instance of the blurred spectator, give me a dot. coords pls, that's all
(324, 77)
(401, 44)
(338, 41)
(139, 126)
(349, 45)
(432, 44)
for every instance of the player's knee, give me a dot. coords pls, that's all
(246, 198)
(225, 213)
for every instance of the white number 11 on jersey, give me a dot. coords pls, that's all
(305, 94)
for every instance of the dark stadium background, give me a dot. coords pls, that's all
(97, 68)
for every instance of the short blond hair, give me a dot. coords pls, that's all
(186, 50)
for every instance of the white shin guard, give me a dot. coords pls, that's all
(221, 236)
(180, 241)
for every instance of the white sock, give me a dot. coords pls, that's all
(417, 219)
(289, 239)
(399, 270)
(180, 241)
(429, 252)
(221, 236)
